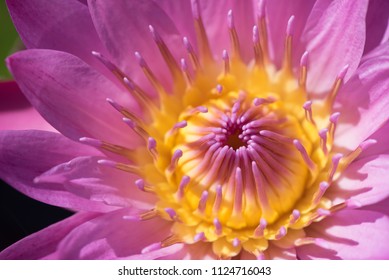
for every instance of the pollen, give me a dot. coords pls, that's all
(237, 154)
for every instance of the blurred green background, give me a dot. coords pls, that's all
(9, 39)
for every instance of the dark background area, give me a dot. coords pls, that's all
(21, 216)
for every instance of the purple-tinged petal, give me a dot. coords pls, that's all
(27, 154)
(56, 24)
(335, 37)
(84, 177)
(377, 24)
(42, 244)
(350, 234)
(364, 181)
(117, 234)
(382, 145)
(16, 112)
(72, 96)
(123, 27)
(362, 103)
(216, 25)
(277, 24)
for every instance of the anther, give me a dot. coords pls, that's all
(203, 202)
(304, 154)
(275, 136)
(257, 47)
(336, 86)
(134, 125)
(152, 147)
(281, 233)
(176, 127)
(219, 88)
(226, 59)
(303, 69)
(218, 199)
(184, 68)
(148, 73)
(110, 66)
(121, 166)
(323, 140)
(202, 39)
(218, 226)
(258, 101)
(288, 44)
(176, 156)
(260, 229)
(333, 122)
(199, 237)
(261, 13)
(235, 242)
(150, 214)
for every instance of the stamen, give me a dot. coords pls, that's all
(176, 156)
(110, 66)
(137, 128)
(257, 47)
(288, 44)
(150, 214)
(276, 136)
(308, 112)
(218, 226)
(323, 140)
(192, 55)
(116, 149)
(176, 127)
(260, 229)
(336, 86)
(259, 184)
(166, 54)
(184, 68)
(323, 186)
(149, 74)
(354, 154)
(203, 202)
(233, 34)
(335, 162)
(172, 214)
(294, 216)
(181, 188)
(140, 96)
(171, 240)
(226, 59)
(235, 242)
(199, 237)
(258, 101)
(261, 11)
(304, 154)
(333, 121)
(238, 199)
(202, 39)
(281, 233)
(121, 166)
(152, 147)
(303, 70)
(219, 88)
(218, 199)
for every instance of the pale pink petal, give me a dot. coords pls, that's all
(350, 234)
(42, 244)
(335, 37)
(72, 96)
(197, 251)
(84, 177)
(277, 253)
(278, 13)
(216, 25)
(377, 24)
(118, 234)
(16, 112)
(123, 27)
(364, 181)
(363, 102)
(27, 154)
(56, 24)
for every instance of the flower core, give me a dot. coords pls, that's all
(239, 155)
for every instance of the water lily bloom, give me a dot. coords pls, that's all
(204, 129)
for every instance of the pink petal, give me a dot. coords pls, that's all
(59, 25)
(42, 244)
(84, 177)
(377, 24)
(72, 96)
(350, 234)
(364, 181)
(197, 251)
(277, 253)
(16, 112)
(117, 234)
(363, 102)
(333, 42)
(277, 24)
(215, 21)
(27, 154)
(123, 27)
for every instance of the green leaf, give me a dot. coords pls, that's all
(9, 39)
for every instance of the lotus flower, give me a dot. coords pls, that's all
(204, 129)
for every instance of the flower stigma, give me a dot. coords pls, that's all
(236, 153)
